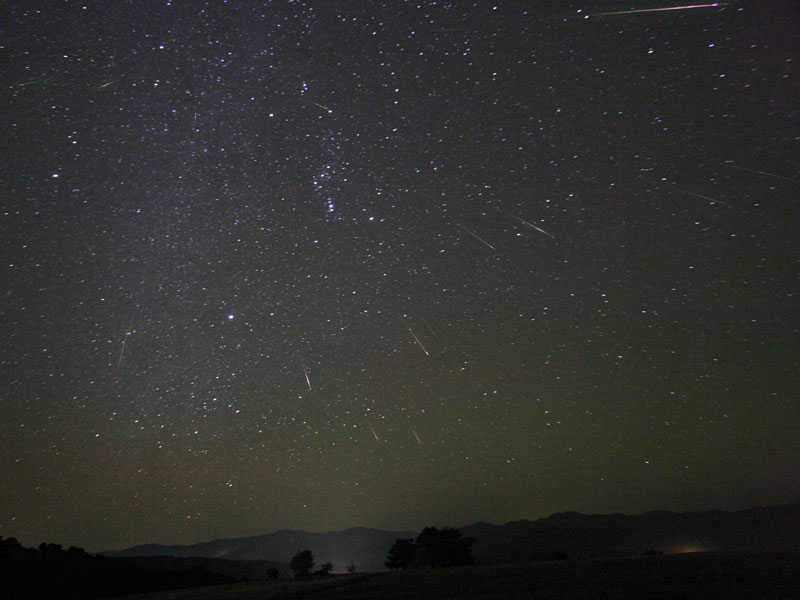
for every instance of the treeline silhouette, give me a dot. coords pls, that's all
(50, 572)
(303, 562)
(432, 548)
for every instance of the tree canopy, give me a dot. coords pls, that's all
(401, 554)
(72, 574)
(302, 563)
(432, 548)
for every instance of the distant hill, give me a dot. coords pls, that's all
(574, 534)
(560, 535)
(366, 548)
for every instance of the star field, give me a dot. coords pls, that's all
(317, 265)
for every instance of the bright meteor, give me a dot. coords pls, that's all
(663, 9)
(539, 229)
(417, 340)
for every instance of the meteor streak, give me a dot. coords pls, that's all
(325, 108)
(479, 238)
(709, 198)
(662, 9)
(308, 381)
(375, 435)
(417, 340)
(431, 330)
(730, 164)
(122, 351)
(419, 441)
(539, 229)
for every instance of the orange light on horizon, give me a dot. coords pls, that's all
(689, 548)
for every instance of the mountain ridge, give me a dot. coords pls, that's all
(563, 534)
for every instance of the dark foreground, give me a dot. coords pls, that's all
(749, 576)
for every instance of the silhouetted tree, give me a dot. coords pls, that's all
(324, 569)
(49, 571)
(443, 548)
(302, 563)
(432, 548)
(352, 568)
(11, 548)
(401, 554)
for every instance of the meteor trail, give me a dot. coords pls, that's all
(377, 439)
(417, 340)
(662, 9)
(730, 164)
(325, 108)
(479, 238)
(431, 330)
(539, 229)
(122, 351)
(709, 198)
(419, 441)
(308, 381)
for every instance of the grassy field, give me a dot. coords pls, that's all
(746, 576)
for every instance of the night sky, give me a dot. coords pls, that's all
(316, 265)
